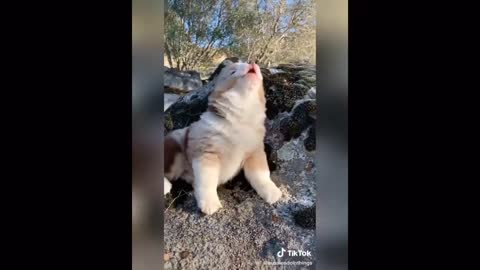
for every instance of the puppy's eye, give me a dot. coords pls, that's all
(232, 72)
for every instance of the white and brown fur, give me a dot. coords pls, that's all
(228, 137)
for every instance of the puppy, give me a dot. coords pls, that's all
(228, 137)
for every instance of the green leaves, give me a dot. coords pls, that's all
(195, 31)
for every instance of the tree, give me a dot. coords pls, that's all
(279, 28)
(195, 31)
(261, 30)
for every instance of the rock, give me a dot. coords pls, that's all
(299, 120)
(178, 82)
(246, 226)
(282, 92)
(188, 108)
(312, 93)
(309, 166)
(275, 70)
(184, 254)
(310, 142)
(286, 153)
(167, 256)
(275, 218)
(178, 194)
(168, 100)
(305, 218)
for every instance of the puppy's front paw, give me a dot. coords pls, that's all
(209, 205)
(271, 193)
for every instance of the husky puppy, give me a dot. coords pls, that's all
(228, 137)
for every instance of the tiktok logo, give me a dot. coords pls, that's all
(280, 253)
(294, 253)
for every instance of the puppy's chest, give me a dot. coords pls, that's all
(244, 141)
(230, 165)
(245, 137)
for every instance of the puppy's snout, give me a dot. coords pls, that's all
(251, 68)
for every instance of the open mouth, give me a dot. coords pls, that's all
(252, 70)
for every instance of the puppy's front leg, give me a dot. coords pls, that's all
(206, 170)
(258, 175)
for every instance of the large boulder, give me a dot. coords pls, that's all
(169, 99)
(246, 226)
(181, 82)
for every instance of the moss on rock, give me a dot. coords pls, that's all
(182, 114)
(299, 120)
(310, 141)
(282, 92)
(305, 218)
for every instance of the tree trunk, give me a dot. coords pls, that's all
(169, 55)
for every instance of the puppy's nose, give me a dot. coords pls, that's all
(251, 68)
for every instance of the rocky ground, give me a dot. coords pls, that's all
(247, 233)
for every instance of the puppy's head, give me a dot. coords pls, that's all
(241, 77)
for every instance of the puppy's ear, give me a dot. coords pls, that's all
(226, 62)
